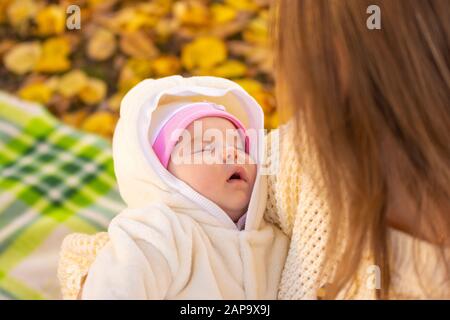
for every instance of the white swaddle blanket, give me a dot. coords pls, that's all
(172, 242)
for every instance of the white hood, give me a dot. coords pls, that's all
(143, 180)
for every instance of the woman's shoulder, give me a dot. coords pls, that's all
(294, 184)
(282, 190)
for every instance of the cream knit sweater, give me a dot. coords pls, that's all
(296, 204)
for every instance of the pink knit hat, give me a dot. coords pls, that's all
(166, 124)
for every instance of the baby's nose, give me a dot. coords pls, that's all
(230, 154)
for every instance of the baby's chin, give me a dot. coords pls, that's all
(235, 216)
(235, 211)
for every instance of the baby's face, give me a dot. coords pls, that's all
(217, 167)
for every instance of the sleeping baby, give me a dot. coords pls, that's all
(188, 160)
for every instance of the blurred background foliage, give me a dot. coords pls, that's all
(81, 75)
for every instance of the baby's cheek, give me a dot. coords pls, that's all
(252, 170)
(205, 178)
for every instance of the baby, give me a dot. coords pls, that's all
(187, 156)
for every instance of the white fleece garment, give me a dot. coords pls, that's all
(171, 242)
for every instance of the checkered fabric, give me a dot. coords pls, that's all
(54, 180)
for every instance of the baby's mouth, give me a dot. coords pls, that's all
(238, 174)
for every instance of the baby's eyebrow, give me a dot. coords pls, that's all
(200, 138)
(193, 140)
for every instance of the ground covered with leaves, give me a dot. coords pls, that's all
(81, 75)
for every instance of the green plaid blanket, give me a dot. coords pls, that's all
(54, 180)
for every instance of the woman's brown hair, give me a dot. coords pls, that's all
(375, 106)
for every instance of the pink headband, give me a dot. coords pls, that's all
(165, 141)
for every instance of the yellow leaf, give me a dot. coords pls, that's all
(166, 66)
(93, 92)
(72, 83)
(140, 67)
(155, 8)
(119, 21)
(271, 121)
(230, 69)
(140, 21)
(20, 11)
(204, 52)
(22, 57)
(114, 101)
(100, 3)
(3, 10)
(5, 46)
(250, 85)
(258, 30)
(243, 5)
(57, 45)
(222, 13)
(38, 92)
(193, 13)
(51, 20)
(257, 91)
(201, 72)
(102, 45)
(100, 122)
(138, 45)
(266, 100)
(52, 83)
(128, 79)
(132, 19)
(75, 118)
(54, 55)
(133, 72)
(164, 29)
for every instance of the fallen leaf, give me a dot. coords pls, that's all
(23, 57)
(51, 20)
(72, 83)
(3, 10)
(20, 11)
(257, 91)
(257, 30)
(222, 13)
(133, 72)
(102, 45)
(114, 101)
(138, 45)
(192, 13)
(75, 119)
(204, 52)
(230, 69)
(166, 66)
(54, 57)
(244, 5)
(271, 121)
(93, 92)
(37, 92)
(101, 122)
